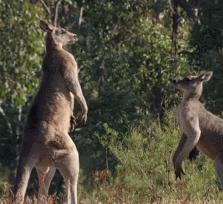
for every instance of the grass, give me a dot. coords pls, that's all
(144, 173)
(110, 194)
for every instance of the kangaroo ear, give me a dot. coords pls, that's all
(46, 27)
(206, 76)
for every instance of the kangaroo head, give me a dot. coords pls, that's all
(59, 36)
(192, 85)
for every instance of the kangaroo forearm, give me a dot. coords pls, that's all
(81, 100)
(72, 101)
(75, 88)
(193, 154)
(190, 143)
(179, 147)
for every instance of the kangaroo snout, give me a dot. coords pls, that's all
(74, 37)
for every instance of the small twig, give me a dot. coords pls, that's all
(6, 119)
(175, 24)
(106, 158)
(45, 6)
(80, 16)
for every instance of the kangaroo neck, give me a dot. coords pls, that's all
(52, 45)
(192, 97)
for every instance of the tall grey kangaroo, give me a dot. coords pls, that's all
(47, 145)
(198, 126)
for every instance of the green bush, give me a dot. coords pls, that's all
(145, 164)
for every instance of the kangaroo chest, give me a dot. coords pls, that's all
(180, 117)
(186, 115)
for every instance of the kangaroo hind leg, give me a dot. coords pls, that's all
(22, 178)
(69, 168)
(45, 176)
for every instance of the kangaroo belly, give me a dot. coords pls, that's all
(54, 149)
(211, 145)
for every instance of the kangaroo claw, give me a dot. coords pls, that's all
(178, 172)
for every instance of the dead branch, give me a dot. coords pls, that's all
(45, 6)
(80, 20)
(175, 23)
(80, 17)
(56, 12)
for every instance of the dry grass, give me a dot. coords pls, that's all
(110, 195)
(104, 193)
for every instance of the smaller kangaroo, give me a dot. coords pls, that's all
(47, 145)
(198, 126)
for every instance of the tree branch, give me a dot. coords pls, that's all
(56, 12)
(175, 23)
(45, 6)
(80, 16)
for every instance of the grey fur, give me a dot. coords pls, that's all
(198, 126)
(46, 143)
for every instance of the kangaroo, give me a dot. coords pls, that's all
(198, 126)
(47, 145)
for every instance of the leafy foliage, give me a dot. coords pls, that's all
(20, 62)
(127, 62)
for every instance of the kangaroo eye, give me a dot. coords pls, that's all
(63, 32)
